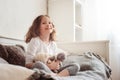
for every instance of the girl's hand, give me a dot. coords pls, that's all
(53, 65)
(30, 65)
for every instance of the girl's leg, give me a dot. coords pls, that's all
(64, 72)
(71, 70)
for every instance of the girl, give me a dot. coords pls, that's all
(41, 41)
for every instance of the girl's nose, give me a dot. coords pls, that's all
(49, 26)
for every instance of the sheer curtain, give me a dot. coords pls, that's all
(108, 28)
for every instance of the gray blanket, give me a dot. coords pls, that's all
(93, 67)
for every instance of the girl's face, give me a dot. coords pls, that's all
(46, 26)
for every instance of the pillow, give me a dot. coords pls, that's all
(14, 72)
(3, 52)
(13, 54)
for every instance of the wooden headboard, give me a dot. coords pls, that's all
(99, 47)
(11, 41)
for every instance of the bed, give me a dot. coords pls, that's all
(92, 53)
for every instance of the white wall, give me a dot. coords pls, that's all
(101, 21)
(108, 28)
(89, 23)
(62, 14)
(16, 16)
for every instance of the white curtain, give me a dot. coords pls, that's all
(108, 28)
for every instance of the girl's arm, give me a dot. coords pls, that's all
(31, 52)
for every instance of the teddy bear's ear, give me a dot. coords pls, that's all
(61, 56)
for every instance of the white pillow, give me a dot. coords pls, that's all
(59, 50)
(14, 72)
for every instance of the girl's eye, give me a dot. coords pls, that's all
(50, 23)
(44, 23)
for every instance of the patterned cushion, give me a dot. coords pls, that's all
(3, 52)
(13, 54)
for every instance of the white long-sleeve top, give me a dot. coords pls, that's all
(37, 46)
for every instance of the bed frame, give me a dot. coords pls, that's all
(99, 47)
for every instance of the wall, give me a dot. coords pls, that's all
(100, 22)
(108, 28)
(16, 16)
(62, 14)
(89, 23)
